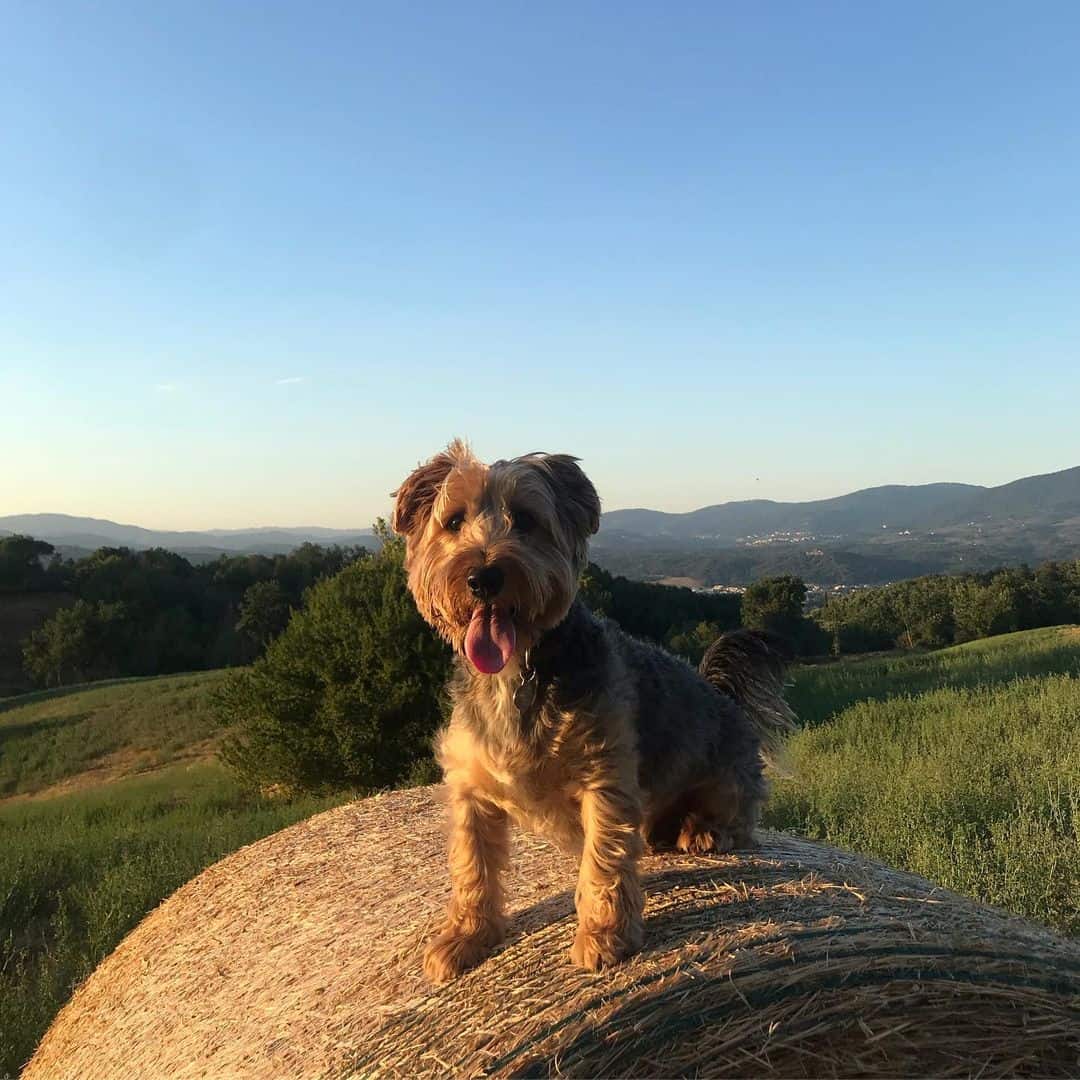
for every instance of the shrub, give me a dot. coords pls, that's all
(349, 695)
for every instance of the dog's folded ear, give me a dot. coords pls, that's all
(576, 498)
(414, 499)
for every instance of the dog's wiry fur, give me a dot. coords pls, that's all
(617, 743)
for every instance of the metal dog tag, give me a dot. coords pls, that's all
(525, 694)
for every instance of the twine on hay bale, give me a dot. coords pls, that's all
(300, 956)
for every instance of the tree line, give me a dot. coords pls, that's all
(153, 612)
(938, 610)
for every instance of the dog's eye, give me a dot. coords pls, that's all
(522, 520)
(455, 521)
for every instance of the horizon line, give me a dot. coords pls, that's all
(619, 509)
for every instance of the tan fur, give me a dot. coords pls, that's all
(541, 581)
(571, 774)
(582, 794)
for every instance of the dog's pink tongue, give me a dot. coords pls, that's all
(490, 640)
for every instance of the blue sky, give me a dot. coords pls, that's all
(258, 259)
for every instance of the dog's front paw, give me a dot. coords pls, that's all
(453, 953)
(603, 947)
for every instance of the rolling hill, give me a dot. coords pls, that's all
(873, 536)
(67, 532)
(1053, 497)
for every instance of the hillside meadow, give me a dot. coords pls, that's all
(975, 786)
(79, 870)
(963, 765)
(110, 799)
(104, 730)
(821, 691)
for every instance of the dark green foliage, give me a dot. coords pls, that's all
(176, 616)
(777, 604)
(264, 612)
(349, 695)
(78, 644)
(677, 618)
(692, 643)
(931, 612)
(22, 568)
(774, 604)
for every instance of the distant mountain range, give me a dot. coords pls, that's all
(1054, 497)
(81, 533)
(878, 534)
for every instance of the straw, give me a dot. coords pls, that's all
(299, 956)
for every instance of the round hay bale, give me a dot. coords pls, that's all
(300, 956)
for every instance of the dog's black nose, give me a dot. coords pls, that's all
(485, 582)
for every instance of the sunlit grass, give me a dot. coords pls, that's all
(975, 785)
(822, 690)
(53, 735)
(78, 871)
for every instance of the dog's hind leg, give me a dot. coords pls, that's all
(718, 816)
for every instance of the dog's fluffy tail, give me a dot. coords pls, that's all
(749, 666)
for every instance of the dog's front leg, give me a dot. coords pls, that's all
(479, 840)
(609, 897)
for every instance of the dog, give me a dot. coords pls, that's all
(560, 721)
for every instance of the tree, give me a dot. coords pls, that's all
(981, 610)
(775, 604)
(264, 612)
(78, 644)
(658, 612)
(20, 562)
(693, 642)
(349, 695)
(923, 613)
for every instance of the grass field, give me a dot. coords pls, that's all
(78, 871)
(821, 691)
(963, 765)
(945, 765)
(86, 853)
(113, 728)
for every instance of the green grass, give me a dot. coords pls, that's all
(823, 690)
(976, 786)
(78, 871)
(49, 736)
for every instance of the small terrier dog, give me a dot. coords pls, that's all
(560, 720)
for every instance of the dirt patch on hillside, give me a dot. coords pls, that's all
(680, 582)
(121, 765)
